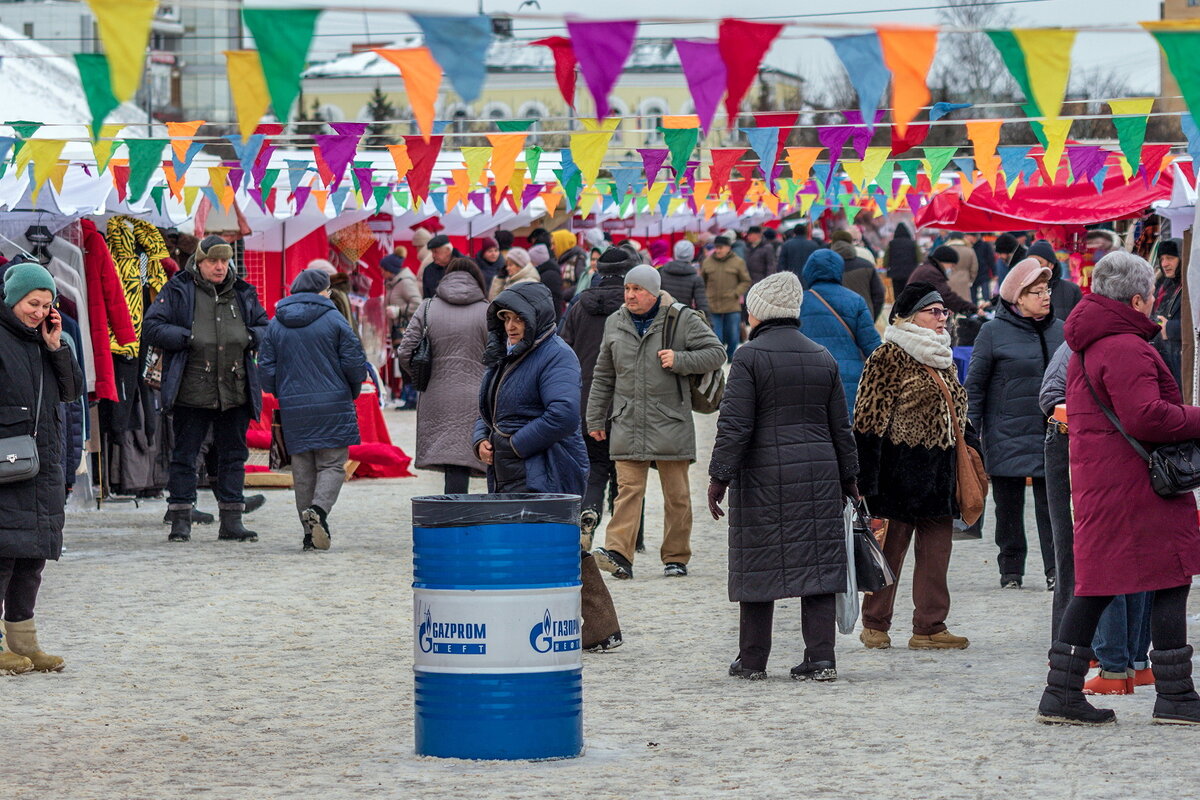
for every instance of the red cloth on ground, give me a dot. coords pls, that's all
(107, 308)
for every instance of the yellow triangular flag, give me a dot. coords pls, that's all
(873, 161)
(125, 31)
(476, 160)
(589, 146)
(856, 172)
(248, 87)
(673, 205)
(1133, 107)
(654, 193)
(190, 193)
(104, 146)
(586, 202)
(517, 182)
(1048, 65)
(45, 153)
(806, 204)
(58, 174)
(1056, 131)
(1123, 162)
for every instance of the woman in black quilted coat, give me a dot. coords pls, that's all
(786, 451)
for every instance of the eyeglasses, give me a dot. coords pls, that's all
(1041, 293)
(940, 313)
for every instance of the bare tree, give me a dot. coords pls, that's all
(968, 68)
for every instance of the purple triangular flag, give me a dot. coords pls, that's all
(235, 177)
(355, 129)
(834, 138)
(601, 48)
(301, 194)
(256, 196)
(531, 191)
(914, 202)
(363, 174)
(860, 133)
(652, 161)
(477, 199)
(706, 77)
(1086, 161)
(338, 151)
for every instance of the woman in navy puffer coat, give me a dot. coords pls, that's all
(529, 401)
(823, 278)
(314, 365)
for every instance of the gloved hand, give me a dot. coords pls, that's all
(716, 493)
(850, 489)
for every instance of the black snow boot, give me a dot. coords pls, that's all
(232, 529)
(254, 502)
(181, 524)
(1177, 703)
(198, 517)
(1063, 702)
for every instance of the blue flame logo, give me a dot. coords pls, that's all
(541, 637)
(425, 632)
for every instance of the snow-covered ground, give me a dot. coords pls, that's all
(242, 671)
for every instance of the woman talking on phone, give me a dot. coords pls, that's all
(37, 372)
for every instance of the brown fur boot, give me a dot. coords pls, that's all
(22, 640)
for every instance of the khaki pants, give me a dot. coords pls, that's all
(621, 535)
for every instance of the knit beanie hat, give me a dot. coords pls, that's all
(213, 247)
(945, 255)
(519, 256)
(21, 279)
(323, 265)
(776, 296)
(310, 280)
(487, 243)
(1044, 249)
(1167, 247)
(912, 298)
(722, 240)
(843, 248)
(686, 251)
(615, 261)
(539, 254)
(1023, 275)
(645, 276)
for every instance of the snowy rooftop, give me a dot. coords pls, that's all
(505, 55)
(38, 85)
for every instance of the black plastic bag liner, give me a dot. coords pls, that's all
(461, 510)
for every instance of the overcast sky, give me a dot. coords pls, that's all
(1132, 54)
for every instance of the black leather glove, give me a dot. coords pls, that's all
(716, 493)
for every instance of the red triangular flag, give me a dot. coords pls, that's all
(785, 121)
(742, 45)
(913, 137)
(723, 160)
(564, 65)
(737, 192)
(120, 174)
(423, 156)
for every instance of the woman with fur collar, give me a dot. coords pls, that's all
(905, 433)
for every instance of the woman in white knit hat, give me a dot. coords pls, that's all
(786, 453)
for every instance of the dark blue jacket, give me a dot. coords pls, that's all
(795, 254)
(168, 325)
(823, 276)
(532, 394)
(314, 365)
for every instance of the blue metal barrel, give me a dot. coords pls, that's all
(497, 626)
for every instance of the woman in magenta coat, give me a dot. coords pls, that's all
(1127, 538)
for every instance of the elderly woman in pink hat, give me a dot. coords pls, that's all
(1003, 381)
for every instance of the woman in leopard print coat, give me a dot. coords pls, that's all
(905, 433)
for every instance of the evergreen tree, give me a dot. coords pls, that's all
(308, 123)
(382, 112)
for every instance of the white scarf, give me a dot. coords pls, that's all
(926, 346)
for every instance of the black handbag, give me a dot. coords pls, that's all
(1174, 467)
(870, 566)
(19, 459)
(420, 366)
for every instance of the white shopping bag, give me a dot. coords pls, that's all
(847, 601)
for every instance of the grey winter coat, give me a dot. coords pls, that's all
(785, 443)
(448, 408)
(1004, 379)
(682, 280)
(651, 407)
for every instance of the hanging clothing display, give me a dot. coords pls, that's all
(137, 251)
(108, 312)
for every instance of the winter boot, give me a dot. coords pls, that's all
(1109, 683)
(254, 502)
(232, 529)
(589, 520)
(22, 640)
(875, 640)
(10, 662)
(313, 518)
(198, 517)
(180, 518)
(1177, 702)
(1143, 677)
(736, 670)
(815, 671)
(1063, 702)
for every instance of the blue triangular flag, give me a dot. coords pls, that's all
(339, 198)
(439, 201)
(765, 144)
(965, 164)
(246, 153)
(296, 171)
(940, 110)
(1190, 130)
(862, 56)
(459, 46)
(1098, 178)
(1012, 160)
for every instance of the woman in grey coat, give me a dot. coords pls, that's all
(1003, 382)
(456, 318)
(786, 449)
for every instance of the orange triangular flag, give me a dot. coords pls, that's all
(321, 196)
(422, 78)
(985, 135)
(181, 135)
(400, 157)
(551, 200)
(506, 148)
(174, 183)
(908, 53)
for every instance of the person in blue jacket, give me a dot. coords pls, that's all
(314, 365)
(838, 319)
(528, 428)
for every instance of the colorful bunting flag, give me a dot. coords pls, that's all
(1055, 131)
(459, 45)
(985, 135)
(476, 160)
(742, 46)
(422, 78)
(940, 110)
(124, 27)
(94, 77)
(862, 56)
(336, 151)
(913, 136)
(44, 153)
(248, 87)
(908, 52)
(102, 148)
(601, 48)
(1129, 118)
(283, 36)
(1180, 41)
(801, 160)
(652, 161)
(764, 143)
(424, 153)
(589, 146)
(144, 158)
(936, 159)
(681, 142)
(564, 66)
(1040, 62)
(705, 74)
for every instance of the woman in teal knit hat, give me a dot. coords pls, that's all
(37, 372)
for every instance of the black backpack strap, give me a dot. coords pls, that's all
(1108, 412)
(670, 325)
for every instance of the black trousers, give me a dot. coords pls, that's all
(817, 624)
(602, 474)
(191, 426)
(458, 479)
(1062, 524)
(1168, 619)
(1009, 496)
(20, 579)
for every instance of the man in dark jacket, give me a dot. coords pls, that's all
(860, 277)
(760, 255)
(551, 275)
(682, 280)
(209, 324)
(442, 253)
(1008, 252)
(796, 251)
(314, 365)
(1064, 294)
(933, 271)
(985, 257)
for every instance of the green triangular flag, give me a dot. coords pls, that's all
(1014, 59)
(380, 195)
(1131, 134)
(24, 130)
(884, 179)
(156, 194)
(144, 158)
(282, 36)
(1180, 47)
(681, 142)
(533, 157)
(268, 181)
(401, 199)
(937, 158)
(514, 125)
(97, 88)
(846, 200)
(909, 167)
